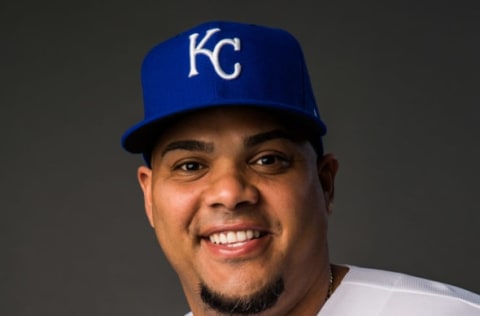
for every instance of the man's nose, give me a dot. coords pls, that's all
(230, 188)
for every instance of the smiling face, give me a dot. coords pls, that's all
(239, 205)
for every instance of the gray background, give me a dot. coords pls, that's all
(397, 83)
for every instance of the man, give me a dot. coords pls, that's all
(239, 191)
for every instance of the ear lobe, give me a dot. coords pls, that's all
(144, 176)
(327, 168)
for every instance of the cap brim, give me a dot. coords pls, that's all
(141, 137)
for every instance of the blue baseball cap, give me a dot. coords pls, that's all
(223, 64)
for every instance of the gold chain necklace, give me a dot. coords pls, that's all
(330, 285)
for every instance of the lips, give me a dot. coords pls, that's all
(233, 238)
(242, 242)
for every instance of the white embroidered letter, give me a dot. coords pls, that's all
(212, 55)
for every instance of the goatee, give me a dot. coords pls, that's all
(247, 305)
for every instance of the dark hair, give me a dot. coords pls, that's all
(303, 129)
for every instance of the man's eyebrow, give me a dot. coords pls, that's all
(190, 145)
(270, 135)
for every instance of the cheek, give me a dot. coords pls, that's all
(305, 194)
(306, 231)
(173, 210)
(304, 213)
(172, 202)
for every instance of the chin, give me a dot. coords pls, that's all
(243, 281)
(253, 302)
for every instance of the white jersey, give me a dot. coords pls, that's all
(370, 292)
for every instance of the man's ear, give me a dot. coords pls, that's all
(327, 167)
(144, 175)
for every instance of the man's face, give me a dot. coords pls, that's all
(238, 205)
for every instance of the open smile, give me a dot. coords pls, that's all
(233, 238)
(236, 243)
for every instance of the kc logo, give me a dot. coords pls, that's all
(212, 55)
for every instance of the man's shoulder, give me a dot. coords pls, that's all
(390, 293)
(400, 282)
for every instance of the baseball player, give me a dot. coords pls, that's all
(239, 190)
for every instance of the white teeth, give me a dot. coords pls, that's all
(232, 237)
(241, 236)
(223, 238)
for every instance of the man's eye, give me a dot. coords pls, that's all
(277, 161)
(267, 160)
(190, 166)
